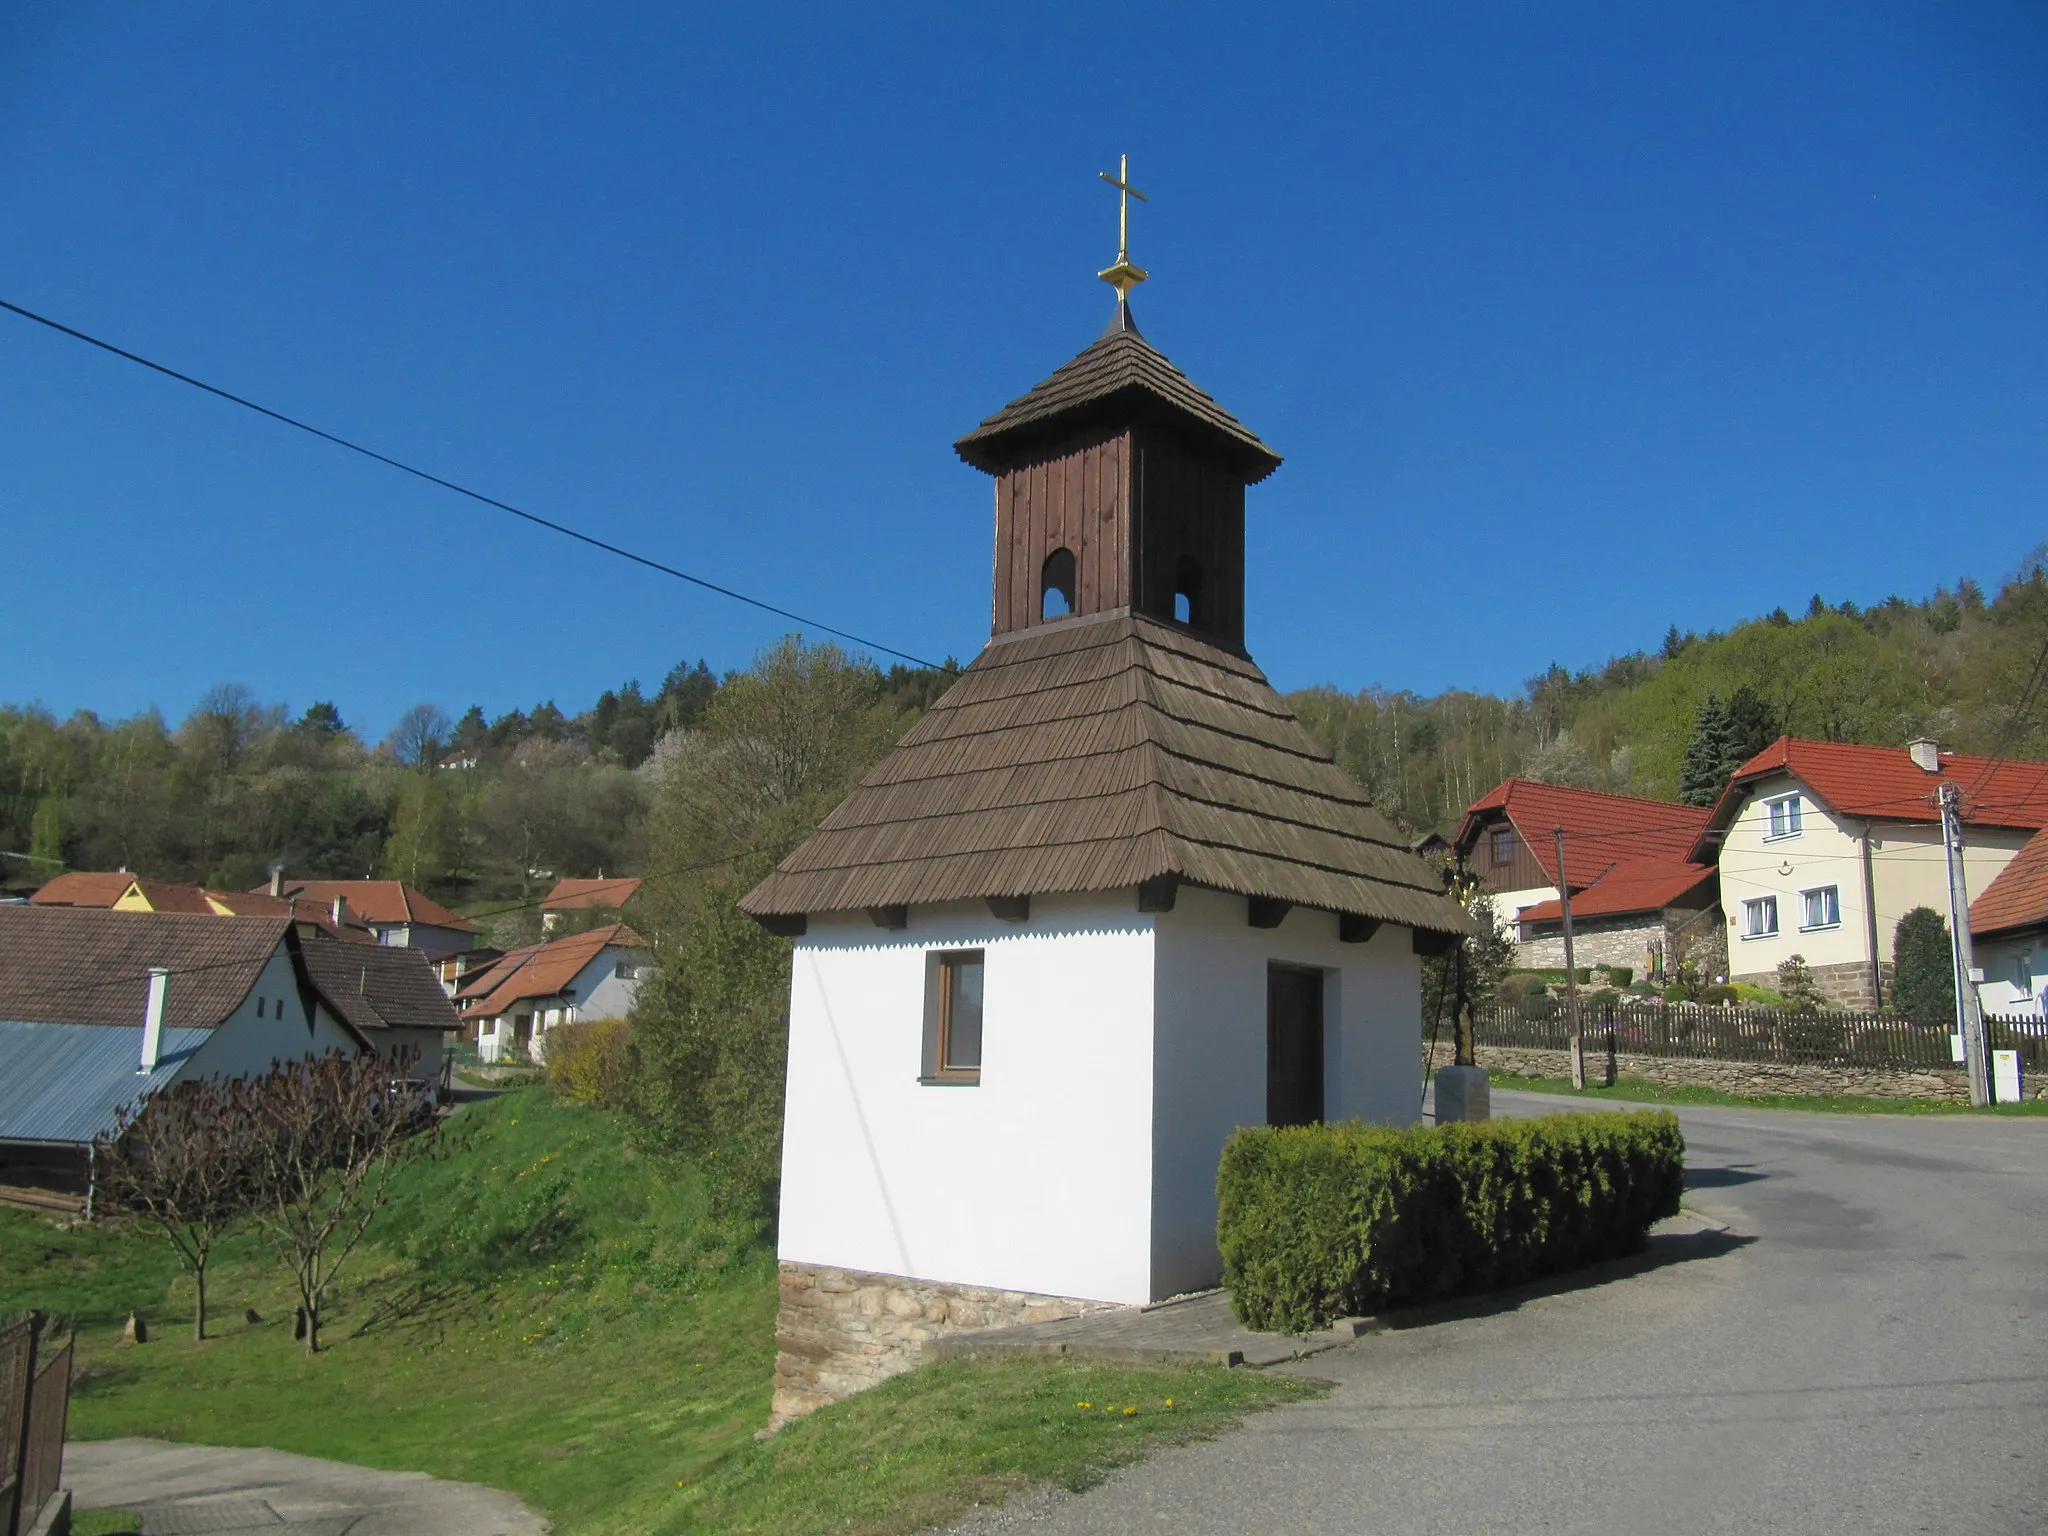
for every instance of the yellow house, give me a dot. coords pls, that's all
(1822, 847)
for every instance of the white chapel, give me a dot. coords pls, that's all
(1105, 902)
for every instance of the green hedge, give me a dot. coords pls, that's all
(1327, 1221)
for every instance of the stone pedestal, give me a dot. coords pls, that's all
(1462, 1093)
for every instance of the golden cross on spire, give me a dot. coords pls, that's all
(1123, 277)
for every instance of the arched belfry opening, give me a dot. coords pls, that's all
(1056, 585)
(1187, 592)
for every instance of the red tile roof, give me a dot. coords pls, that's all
(171, 896)
(577, 895)
(539, 970)
(1885, 784)
(2018, 898)
(84, 888)
(1633, 885)
(1600, 830)
(380, 901)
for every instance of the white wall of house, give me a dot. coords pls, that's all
(1908, 870)
(600, 992)
(247, 1042)
(1508, 905)
(2015, 967)
(1209, 1075)
(1037, 1178)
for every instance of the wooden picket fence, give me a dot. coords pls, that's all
(1769, 1036)
(35, 1402)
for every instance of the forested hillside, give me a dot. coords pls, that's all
(478, 811)
(1957, 666)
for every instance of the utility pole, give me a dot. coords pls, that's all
(1969, 1009)
(1571, 973)
(1465, 1046)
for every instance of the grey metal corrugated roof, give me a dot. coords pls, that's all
(65, 1082)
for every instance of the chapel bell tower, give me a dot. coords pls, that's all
(1119, 487)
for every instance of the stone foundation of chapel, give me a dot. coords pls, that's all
(841, 1331)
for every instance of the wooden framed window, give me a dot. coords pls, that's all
(1503, 845)
(953, 992)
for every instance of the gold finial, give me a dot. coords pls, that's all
(1123, 277)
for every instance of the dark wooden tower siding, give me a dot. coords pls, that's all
(1121, 485)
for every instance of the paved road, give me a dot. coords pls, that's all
(1875, 1360)
(184, 1490)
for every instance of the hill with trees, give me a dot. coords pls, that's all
(480, 811)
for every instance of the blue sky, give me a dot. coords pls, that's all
(1572, 322)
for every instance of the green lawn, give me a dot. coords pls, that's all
(1641, 1090)
(549, 1314)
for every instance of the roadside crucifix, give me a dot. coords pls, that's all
(1123, 277)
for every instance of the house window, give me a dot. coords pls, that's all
(1503, 845)
(1820, 908)
(1782, 817)
(1759, 917)
(2023, 973)
(1056, 585)
(953, 1017)
(259, 1007)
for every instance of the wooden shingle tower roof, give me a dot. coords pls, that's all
(1113, 734)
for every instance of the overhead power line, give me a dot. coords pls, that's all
(462, 490)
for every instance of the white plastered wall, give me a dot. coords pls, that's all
(1210, 1075)
(1036, 1179)
(243, 1044)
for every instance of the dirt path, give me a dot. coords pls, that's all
(197, 1490)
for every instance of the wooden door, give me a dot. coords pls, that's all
(1294, 1045)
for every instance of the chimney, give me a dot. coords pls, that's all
(1926, 753)
(277, 880)
(153, 1018)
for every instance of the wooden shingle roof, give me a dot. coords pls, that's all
(1096, 754)
(1120, 377)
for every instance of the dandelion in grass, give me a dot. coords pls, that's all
(1129, 1411)
(1084, 1405)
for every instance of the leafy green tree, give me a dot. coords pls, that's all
(1923, 966)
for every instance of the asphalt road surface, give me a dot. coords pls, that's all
(1865, 1353)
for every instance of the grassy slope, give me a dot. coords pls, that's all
(551, 1315)
(1641, 1090)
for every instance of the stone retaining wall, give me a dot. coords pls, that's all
(840, 1331)
(1750, 1078)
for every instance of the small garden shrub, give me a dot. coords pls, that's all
(587, 1062)
(1583, 975)
(1322, 1222)
(1534, 987)
(1620, 975)
(1678, 992)
(1717, 993)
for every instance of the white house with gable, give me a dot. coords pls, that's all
(1106, 902)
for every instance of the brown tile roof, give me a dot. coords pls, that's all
(1885, 784)
(1097, 753)
(1600, 830)
(170, 896)
(380, 901)
(83, 965)
(379, 986)
(540, 970)
(303, 909)
(577, 895)
(2018, 897)
(1120, 377)
(83, 888)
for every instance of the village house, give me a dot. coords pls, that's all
(394, 912)
(1822, 847)
(134, 893)
(99, 1009)
(1106, 901)
(1638, 899)
(603, 899)
(511, 1004)
(2009, 926)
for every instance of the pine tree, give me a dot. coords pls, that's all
(1701, 774)
(1923, 967)
(1752, 725)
